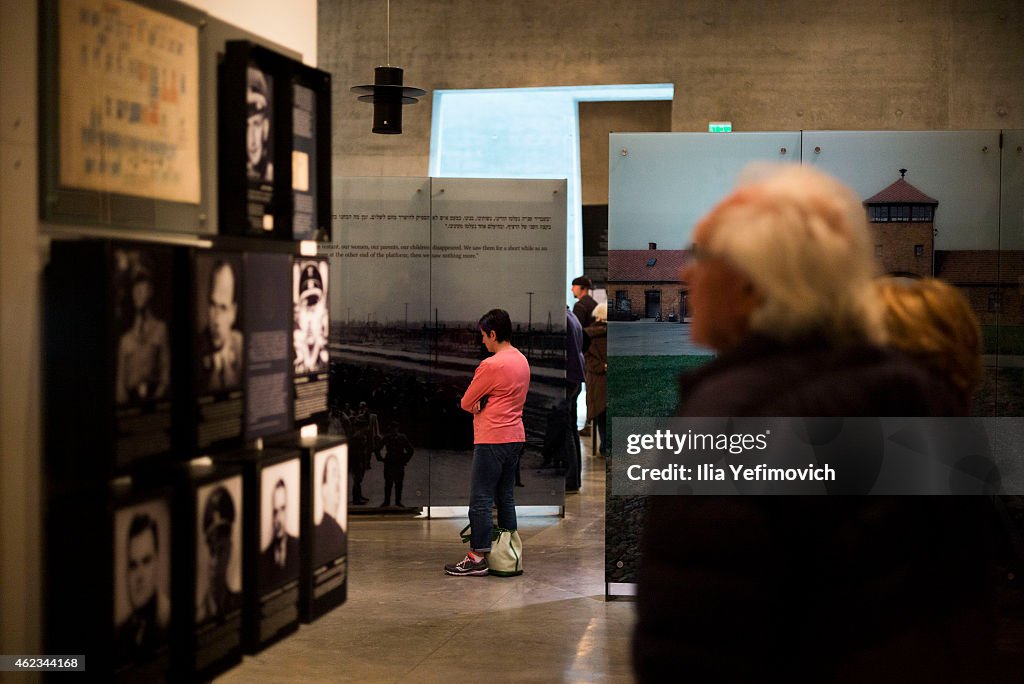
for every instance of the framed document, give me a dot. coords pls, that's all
(120, 118)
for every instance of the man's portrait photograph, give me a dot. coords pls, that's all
(220, 343)
(219, 549)
(142, 580)
(280, 502)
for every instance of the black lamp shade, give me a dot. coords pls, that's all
(388, 95)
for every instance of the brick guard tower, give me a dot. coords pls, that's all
(903, 226)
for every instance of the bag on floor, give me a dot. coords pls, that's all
(506, 556)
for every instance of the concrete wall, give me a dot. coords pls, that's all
(597, 120)
(795, 65)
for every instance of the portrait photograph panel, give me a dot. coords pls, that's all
(219, 516)
(309, 295)
(259, 126)
(220, 342)
(280, 505)
(142, 580)
(330, 512)
(142, 307)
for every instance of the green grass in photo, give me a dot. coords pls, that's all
(1003, 339)
(646, 386)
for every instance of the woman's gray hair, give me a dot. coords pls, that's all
(802, 238)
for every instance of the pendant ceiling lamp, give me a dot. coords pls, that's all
(387, 94)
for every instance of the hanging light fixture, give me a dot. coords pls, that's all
(387, 94)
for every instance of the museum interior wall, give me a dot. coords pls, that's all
(875, 65)
(868, 66)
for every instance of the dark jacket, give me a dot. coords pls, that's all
(813, 588)
(573, 350)
(596, 366)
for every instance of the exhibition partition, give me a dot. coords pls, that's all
(948, 204)
(416, 263)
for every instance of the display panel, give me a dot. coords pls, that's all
(269, 323)
(142, 581)
(112, 347)
(330, 514)
(280, 503)
(382, 363)
(311, 326)
(219, 346)
(497, 244)
(254, 121)
(219, 516)
(284, 145)
(142, 307)
(311, 153)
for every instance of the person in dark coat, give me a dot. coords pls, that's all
(398, 452)
(574, 378)
(596, 367)
(792, 588)
(585, 304)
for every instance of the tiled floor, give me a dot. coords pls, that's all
(406, 621)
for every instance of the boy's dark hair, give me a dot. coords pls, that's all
(497, 320)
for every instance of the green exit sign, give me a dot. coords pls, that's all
(720, 127)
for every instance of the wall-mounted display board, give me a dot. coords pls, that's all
(215, 513)
(273, 144)
(218, 350)
(110, 580)
(121, 133)
(271, 557)
(310, 330)
(450, 249)
(268, 330)
(382, 334)
(112, 337)
(207, 591)
(499, 244)
(957, 194)
(324, 521)
(311, 153)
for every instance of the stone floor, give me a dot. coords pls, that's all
(406, 621)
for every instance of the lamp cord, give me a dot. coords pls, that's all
(387, 40)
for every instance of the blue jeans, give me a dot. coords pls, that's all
(493, 482)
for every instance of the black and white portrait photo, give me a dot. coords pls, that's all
(142, 580)
(221, 343)
(142, 306)
(309, 295)
(279, 524)
(259, 126)
(330, 512)
(219, 549)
